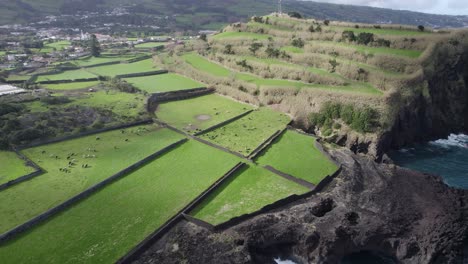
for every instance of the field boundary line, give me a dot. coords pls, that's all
(224, 123)
(161, 123)
(289, 177)
(38, 171)
(158, 233)
(266, 144)
(83, 134)
(158, 98)
(141, 74)
(5, 237)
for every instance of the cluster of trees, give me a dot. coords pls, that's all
(359, 119)
(121, 85)
(364, 38)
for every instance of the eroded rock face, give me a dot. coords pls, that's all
(412, 217)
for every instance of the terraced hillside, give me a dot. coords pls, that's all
(334, 78)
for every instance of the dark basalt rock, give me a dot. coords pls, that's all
(369, 207)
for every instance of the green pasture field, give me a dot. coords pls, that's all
(202, 64)
(382, 31)
(13, 77)
(163, 83)
(112, 153)
(124, 68)
(374, 50)
(247, 133)
(12, 167)
(295, 154)
(89, 61)
(125, 105)
(71, 86)
(246, 192)
(107, 225)
(235, 34)
(122, 104)
(59, 45)
(67, 75)
(200, 113)
(151, 44)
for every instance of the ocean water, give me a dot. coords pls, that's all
(445, 157)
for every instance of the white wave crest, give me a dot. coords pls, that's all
(453, 140)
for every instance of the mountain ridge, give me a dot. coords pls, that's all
(188, 13)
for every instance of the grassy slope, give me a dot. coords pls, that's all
(124, 68)
(373, 50)
(234, 34)
(296, 154)
(70, 86)
(54, 187)
(245, 134)
(202, 64)
(182, 114)
(12, 167)
(107, 225)
(163, 83)
(248, 191)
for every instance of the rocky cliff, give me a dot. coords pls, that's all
(408, 216)
(438, 105)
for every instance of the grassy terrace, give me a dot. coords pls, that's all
(151, 45)
(373, 50)
(67, 75)
(245, 134)
(200, 113)
(12, 167)
(202, 64)
(124, 68)
(89, 61)
(71, 86)
(234, 34)
(296, 154)
(164, 83)
(248, 191)
(382, 31)
(104, 157)
(108, 224)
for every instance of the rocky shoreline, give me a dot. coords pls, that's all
(409, 216)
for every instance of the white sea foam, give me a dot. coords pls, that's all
(287, 261)
(452, 141)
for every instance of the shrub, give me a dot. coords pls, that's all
(228, 49)
(311, 28)
(359, 119)
(421, 28)
(295, 14)
(383, 42)
(299, 43)
(326, 22)
(365, 38)
(55, 100)
(348, 35)
(272, 52)
(254, 47)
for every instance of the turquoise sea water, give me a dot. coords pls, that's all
(445, 157)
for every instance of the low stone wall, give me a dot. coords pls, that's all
(65, 205)
(156, 99)
(302, 182)
(219, 147)
(265, 144)
(141, 74)
(87, 133)
(20, 179)
(102, 64)
(70, 81)
(146, 243)
(139, 58)
(223, 123)
(38, 171)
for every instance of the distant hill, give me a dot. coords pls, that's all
(196, 14)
